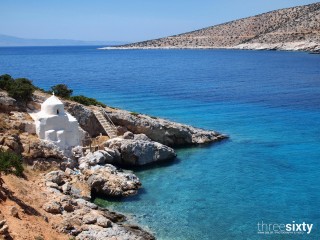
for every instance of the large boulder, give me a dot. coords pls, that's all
(86, 118)
(104, 180)
(99, 157)
(140, 152)
(53, 207)
(7, 104)
(163, 131)
(57, 177)
(109, 181)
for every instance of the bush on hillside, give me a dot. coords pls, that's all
(21, 89)
(6, 81)
(87, 101)
(10, 163)
(62, 90)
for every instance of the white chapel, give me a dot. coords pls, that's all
(55, 125)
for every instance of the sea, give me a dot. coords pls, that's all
(261, 183)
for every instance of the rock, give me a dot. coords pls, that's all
(69, 172)
(66, 188)
(52, 207)
(85, 116)
(4, 230)
(99, 157)
(163, 131)
(42, 164)
(89, 219)
(30, 106)
(115, 232)
(55, 177)
(80, 189)
(121, 130)
(14, 212)
(77, 152)
(92, 159)
(13, 142)
(103, 222)
(110, 182)
(2, 222)
(128, 135)
(139, 152)
(52, 185)
(142, 137)
(7, 104)
(88, 204)
(68, 206)
(43, 149)
(112, 155)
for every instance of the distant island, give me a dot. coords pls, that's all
(11, 41)
(296, 28)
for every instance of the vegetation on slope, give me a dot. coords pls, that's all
(22, 89)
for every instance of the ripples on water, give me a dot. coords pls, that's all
(268, 102)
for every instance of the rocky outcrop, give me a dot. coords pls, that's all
(296, 28)
(86, 118)
(109, 181)
(127, 232)
(81, 218)
(100, 157)
(69, 190)
(7, 104)
(163, 131)
(307, 46)
(105, 180)
(157, 129)
(18, 135)
(140, 152)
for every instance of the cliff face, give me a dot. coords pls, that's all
(296, 28)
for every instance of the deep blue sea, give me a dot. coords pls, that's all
(268, 102)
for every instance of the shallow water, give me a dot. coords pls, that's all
(268, 102)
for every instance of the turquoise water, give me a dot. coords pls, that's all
(268, 102)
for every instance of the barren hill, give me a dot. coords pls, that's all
(296, 28)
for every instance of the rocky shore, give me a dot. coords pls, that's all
(65, 182)
(290, 29)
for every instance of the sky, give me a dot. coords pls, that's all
(124, 20)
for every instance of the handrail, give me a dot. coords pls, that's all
(106, 114)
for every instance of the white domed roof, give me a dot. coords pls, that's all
(53, 100)
(52, 106)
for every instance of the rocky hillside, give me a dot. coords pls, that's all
(53, 199)
(296, 28)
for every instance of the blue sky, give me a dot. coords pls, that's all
(124, 20)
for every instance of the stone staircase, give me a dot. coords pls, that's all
(108, 126)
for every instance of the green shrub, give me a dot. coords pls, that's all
(86, 101)
(10, 163)
(6, 81)
(62, 90)
(134, 114)
(21, 89)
